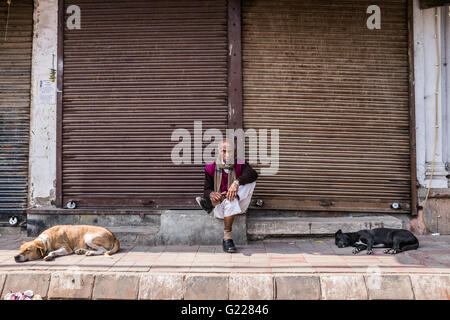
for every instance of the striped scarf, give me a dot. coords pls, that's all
(218, 174)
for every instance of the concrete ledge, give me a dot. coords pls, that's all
(161, 286)
(206, 287)
(71, 285)
(20, 281)
(431, 287)
(389, 287)
(116, 286)
(261, 227)
(196, 227)
(141, 235)
(172, 227)
(251, 287)
(343, 287)
(297, 287)
(166, 286)
(36, 223)
(13, 231)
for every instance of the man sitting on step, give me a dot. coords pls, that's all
(228, 189)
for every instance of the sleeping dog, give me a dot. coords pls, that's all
(397, 240)
(66, 239)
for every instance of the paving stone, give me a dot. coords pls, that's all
(343, 287)
(208, 267)
(389, 287)
(206, 287)
(22, 281)
(293, 226)
(116, 286)
(206, 249)
(250, 287)
(269, 226)
(297, 287)
(298, 268)
(161, 286)
(431, 287)
(71, 285)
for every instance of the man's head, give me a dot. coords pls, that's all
(226, 151)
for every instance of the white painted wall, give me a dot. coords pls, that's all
(419, 62)
(446, 58)
(42, 165)
(426, 71)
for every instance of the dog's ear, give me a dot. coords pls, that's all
(339, 231)
(41, 249)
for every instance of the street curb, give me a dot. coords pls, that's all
(217, 286)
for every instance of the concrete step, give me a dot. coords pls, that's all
(262, 227)
(144, 235)
(19, 231)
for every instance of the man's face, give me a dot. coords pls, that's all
(226, 150)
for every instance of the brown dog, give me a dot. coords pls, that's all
(67, 239)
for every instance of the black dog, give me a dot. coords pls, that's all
(397, 239)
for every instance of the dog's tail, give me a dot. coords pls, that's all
(114, 249)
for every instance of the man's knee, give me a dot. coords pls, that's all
(246, 190)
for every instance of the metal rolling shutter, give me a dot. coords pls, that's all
(133, 73)
(15, 73)
(338, 92)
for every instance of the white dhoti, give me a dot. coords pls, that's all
(229, 208)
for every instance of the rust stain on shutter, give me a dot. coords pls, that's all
(15, 79)
(133, 73)
(338, 93)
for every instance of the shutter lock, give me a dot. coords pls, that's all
(71, 204)
(13, 221)
(259, 203)
(395, 205)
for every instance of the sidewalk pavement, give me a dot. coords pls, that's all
(307, 268)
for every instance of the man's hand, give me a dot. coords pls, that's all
(232, 191)
(216, 196)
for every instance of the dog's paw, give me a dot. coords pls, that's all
(90, 253)
(369, 251)
(49, 258)
(80, 251)
(390, 251)
(355, 251)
